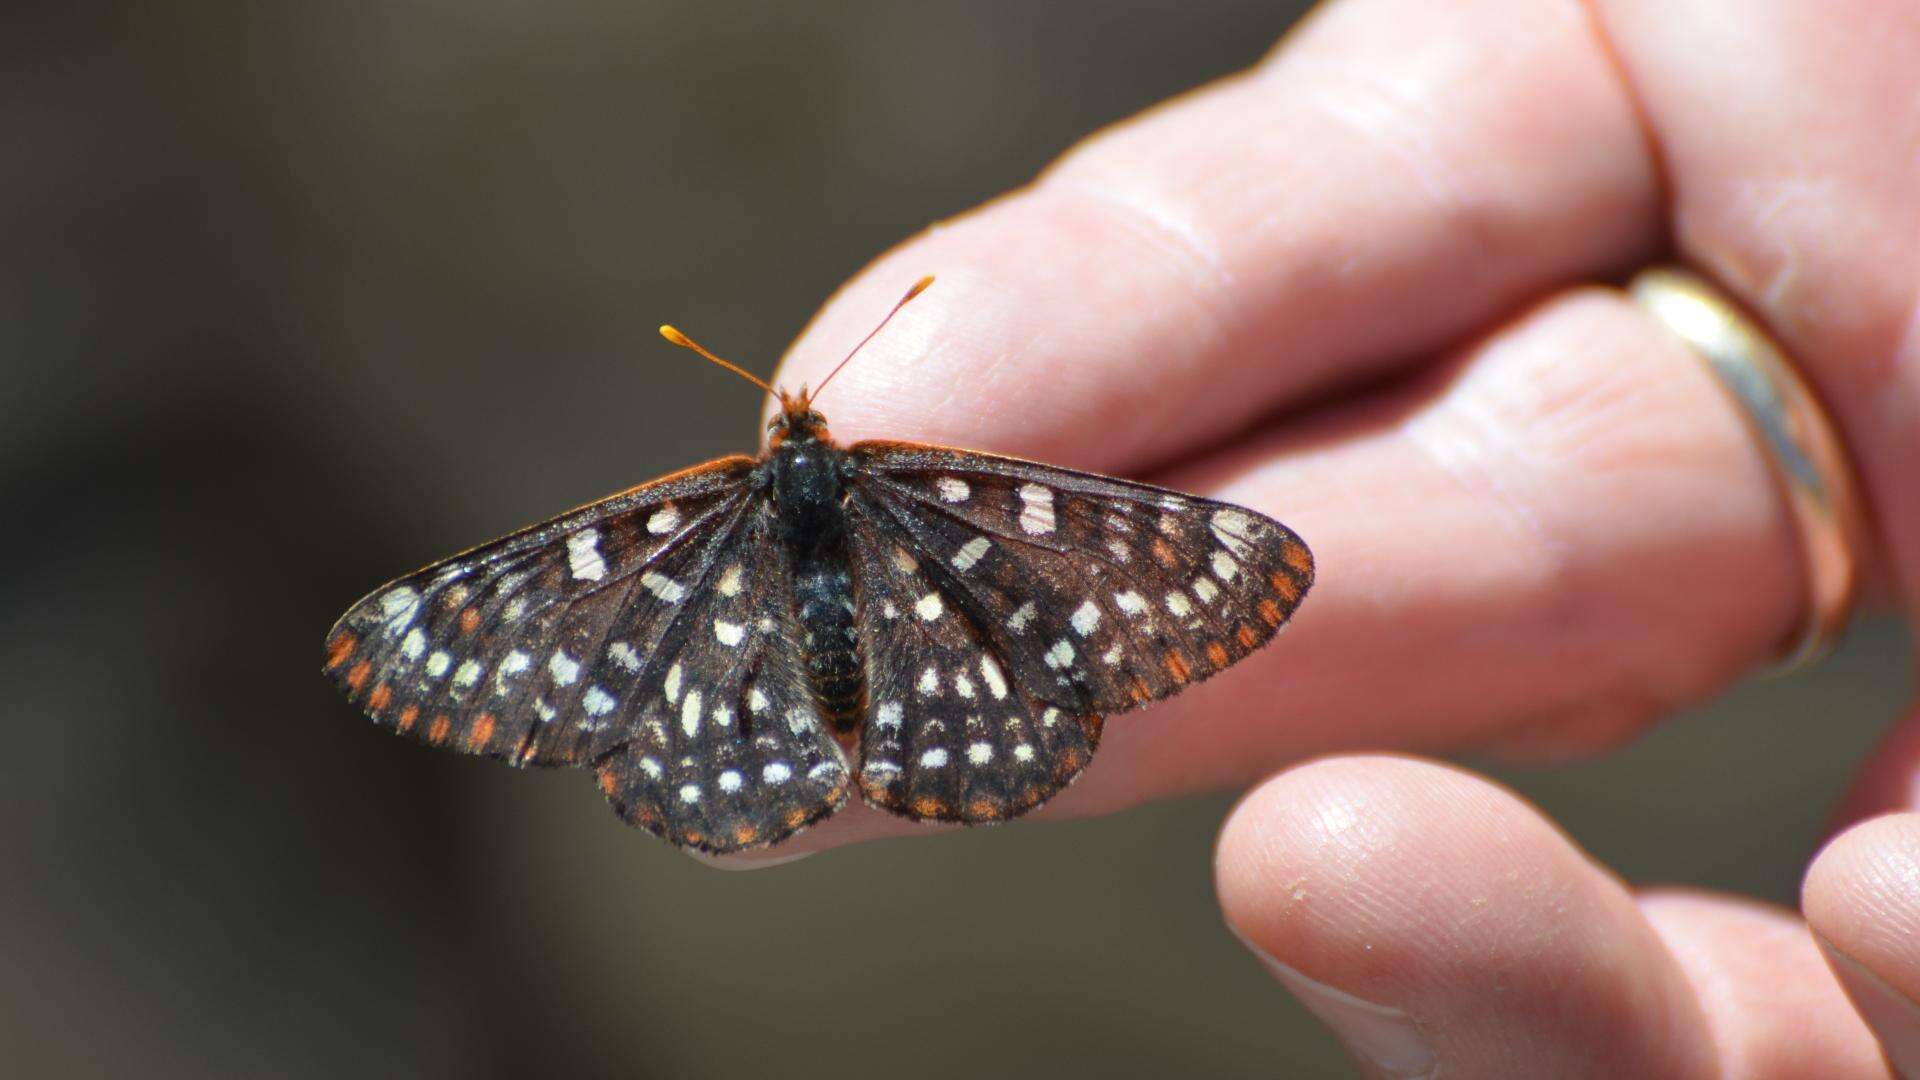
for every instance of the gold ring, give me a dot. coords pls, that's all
(1799, 439)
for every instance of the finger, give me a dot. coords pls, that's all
(1862, 898)
(1789, 144)
(1890, 778)
(1440, 926)
(1771, 1004)
(1560, 537)
(1397, 175)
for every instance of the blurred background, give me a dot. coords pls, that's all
(294, 297)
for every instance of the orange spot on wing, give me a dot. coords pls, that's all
(982, 810)
(1164, 553)
(381, 696)
(437, 731)
(1288, 589)
(928, 806)
(1177, 666)
(1247, 636)
(469, 621)
(407, 716)
(1271, 612)
(795, 817)
(482, 732)
(1217, 653)
(358, 676)
(339, 649)
(609, 783)
(1138, 689)
(1298, 557)
(745, 834)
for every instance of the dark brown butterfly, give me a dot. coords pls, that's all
(735, 648)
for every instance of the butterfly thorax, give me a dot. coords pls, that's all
(807, 475)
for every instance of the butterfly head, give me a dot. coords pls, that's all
(797, 421)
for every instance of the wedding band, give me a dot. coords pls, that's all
(1799, 439)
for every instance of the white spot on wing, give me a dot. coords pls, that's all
(1121, 552)
(731, 780)
(1179, 605)
(730, 580)
(1205, 589)
(543, 710)
(929, 606)
(888, 715)
(756, 700)
(438, 663)
(690, 714)
(1023, 753)
(776, 772)
(1112, 656)
(1061, 654)
(663, 520)
(1223, 566)
(597, 702)
(970, 553)
(929, 682)
(963, 685)
(398, 608)
(934, 758)
(1085, 618)
(953, 489)
(1021, 617)
(583, 555)
(1230, 527)
(512, 664)
(980, 753)
(996, 682)
(690, 794)
(624, 655)
(663, 586)
(414, 644)
(562, 667)
(728, 633)
(1131, 602)
(673, 684)
(1036, 513)
(652, 768)
(466, 675)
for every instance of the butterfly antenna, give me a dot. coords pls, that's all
(918, 288)
(686, 342)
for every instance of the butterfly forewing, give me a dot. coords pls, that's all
(1096, 594)
(484, 652)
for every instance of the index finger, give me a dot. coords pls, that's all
(1395, 176)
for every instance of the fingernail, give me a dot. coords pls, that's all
(1893, 1016)
(1379, 1035)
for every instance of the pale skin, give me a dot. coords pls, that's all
(1362, 288)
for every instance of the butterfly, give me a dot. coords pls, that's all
(734, 649)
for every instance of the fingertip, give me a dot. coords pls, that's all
(1861, 897)
(1378, 887)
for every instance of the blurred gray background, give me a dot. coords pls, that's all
(296, 297)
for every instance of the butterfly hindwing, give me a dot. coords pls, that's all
(482, 652)
(950, 734)
(1097, 594)
(728, 749)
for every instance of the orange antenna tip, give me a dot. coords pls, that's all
(918, 288)
(685, 342)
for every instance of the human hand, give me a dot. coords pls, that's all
(1357, 288)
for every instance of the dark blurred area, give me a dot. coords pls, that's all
(296, 297)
